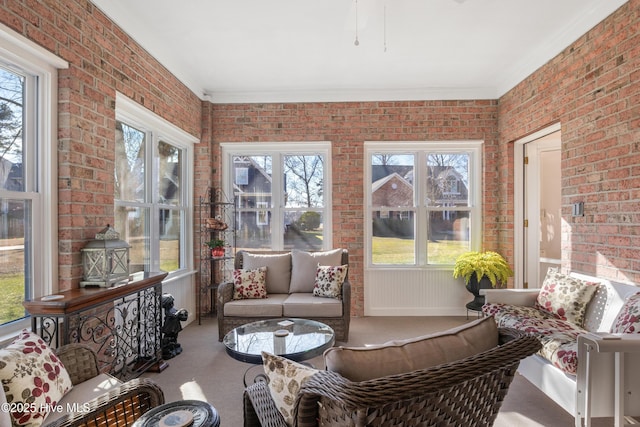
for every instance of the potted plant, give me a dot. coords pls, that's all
(217, 247)
(481, 270)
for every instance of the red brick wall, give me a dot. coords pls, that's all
(593, 89)
(347, 125)
(102, 60)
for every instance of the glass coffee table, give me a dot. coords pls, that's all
(295, 339)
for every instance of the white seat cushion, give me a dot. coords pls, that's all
(83, 393)
(307, 305)
(262, 307)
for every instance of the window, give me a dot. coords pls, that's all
(423, 202)
(299, 214)
(152, 190)
(28, 225)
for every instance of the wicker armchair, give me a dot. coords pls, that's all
(121, 406)
(465, 392)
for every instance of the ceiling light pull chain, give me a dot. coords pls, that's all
(356, 42)
(385, 26)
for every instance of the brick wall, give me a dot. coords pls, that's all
(102, 60)
(348, 126)
(593, 89)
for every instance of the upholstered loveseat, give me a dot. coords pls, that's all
(273, 284)
(567, 311)
(66, 388)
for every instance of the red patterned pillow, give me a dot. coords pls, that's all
(628, 320)
(565, 297)
(329, 280)
(250, 284)
(33, 378)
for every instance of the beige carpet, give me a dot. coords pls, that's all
(204, 371)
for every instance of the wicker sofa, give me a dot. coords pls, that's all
(559, 368)
(96, 399)
(467, 391)
(290, 280)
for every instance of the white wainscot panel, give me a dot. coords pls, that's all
(414, 292)
(183, 290)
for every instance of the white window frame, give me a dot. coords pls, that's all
(278, 150)
(419, 149)
(41, 184)
(158, 129)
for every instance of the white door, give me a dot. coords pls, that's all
(538, 204)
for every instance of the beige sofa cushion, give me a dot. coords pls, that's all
(395, 357)
(278, 270)
(82, 393)
(262, 307)
(304, 265)
(307, 305)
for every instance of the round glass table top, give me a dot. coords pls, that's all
(295, 339)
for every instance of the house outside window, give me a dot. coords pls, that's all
(298, 215)
(28, 224)
(152, 189)
(423, 202)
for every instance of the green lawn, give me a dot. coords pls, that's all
(392, 250)
(11, 308)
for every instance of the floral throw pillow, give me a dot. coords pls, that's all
(250, 284)
(33, 378)
(628, 320)
(285, 379)
(329, 280)
(565, 297)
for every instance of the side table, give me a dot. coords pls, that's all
(625, 349)
(204, 414)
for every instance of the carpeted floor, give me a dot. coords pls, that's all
(204, 371)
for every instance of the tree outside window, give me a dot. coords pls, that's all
(292, 217)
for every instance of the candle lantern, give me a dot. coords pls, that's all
(105, 260)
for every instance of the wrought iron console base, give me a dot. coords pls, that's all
(121, 324)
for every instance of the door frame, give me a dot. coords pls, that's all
(518, 200)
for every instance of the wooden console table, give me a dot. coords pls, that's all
(122, 324)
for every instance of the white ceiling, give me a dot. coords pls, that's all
(304, 50)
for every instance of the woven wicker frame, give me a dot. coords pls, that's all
(465, 392)
(120, 407)
(340, 325)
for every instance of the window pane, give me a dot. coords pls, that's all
(393, 237)
(303, 230)
(11, 130)
(253, 229)
(252, 177)
(392, 180)
(303, 181)
(129, 168)
(169, 235)
(14, 243)
(169, 173)
(392, 195)
(447, 180)
(132, 224)
(448, 236)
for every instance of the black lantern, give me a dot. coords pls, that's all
(105, 260)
